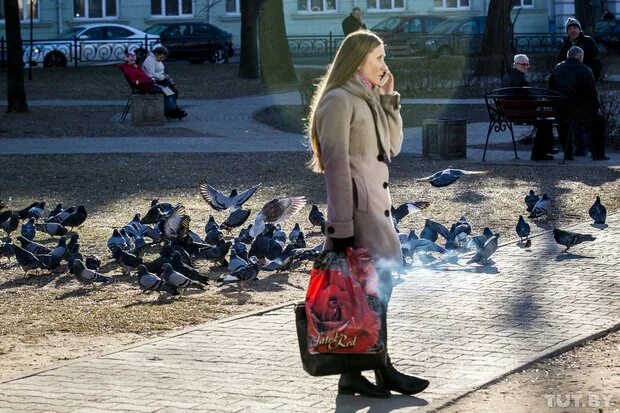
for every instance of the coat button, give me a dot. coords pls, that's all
(385, 185)
(330, 230)
(387, 213)
(380, 158)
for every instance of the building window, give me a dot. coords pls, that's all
(451, 4)
(24, 9)
(385, 4)
(317, 6)
(94, 9)
(172, 8)
(232, 7)
(522, 3)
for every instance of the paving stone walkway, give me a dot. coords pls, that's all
(460, 326)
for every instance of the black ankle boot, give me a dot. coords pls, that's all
(354, 382)
(391, 379)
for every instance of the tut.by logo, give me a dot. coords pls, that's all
(578, 400)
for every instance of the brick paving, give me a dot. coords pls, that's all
(461, 326)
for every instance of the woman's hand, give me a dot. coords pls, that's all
(388, 86)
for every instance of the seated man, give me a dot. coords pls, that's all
(146, 84)
(576, 80)
(543, 142)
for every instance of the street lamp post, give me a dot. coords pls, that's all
(31, 42)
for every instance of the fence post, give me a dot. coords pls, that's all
(331, 46)
(2, 61)
(146, 42)
(75, 51)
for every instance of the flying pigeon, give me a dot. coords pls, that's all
(530, 200)
(481, 257)
(178, 280)
(235, 219)
(408, 208)
(523, 228)
(541, 208)
(247, 273)
(317, 218)
(221, 202)
(569, 239)
(156, 212)
(448, 176)
(277, 210)
(598, 212)
(176, 224)
(85, 275)
(28, 229)
(151, 282)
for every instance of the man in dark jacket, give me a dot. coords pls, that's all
(515, 77)
(353, 22)
(575, 80)
(575, 37)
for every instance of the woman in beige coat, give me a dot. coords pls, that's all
(355, 129)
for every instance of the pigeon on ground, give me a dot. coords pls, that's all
(6, 248)
(244, 235)
(23, 213)
(530, 200)
(216, 253)
(482, 256)
(52, 228)
(116, 239)
(73, 254)
(76, 219)
(178, 280)
(523, 228)
(277, 210)
(87, 276)
(221, 202)
(51, 262)
(157, 265)
(133, 226)
(151, 282)
(73, 240)
(598, 212)
(428, 232)
(187, 270)
(6, 215)
(156, 212)
(569, 239)
(36, 211)
(93, 262)
(59, 217)
(295, 232)
(299, 241)
(28, 229)
(27, 260)
(126, 260)
(60, 251)
(235, 219)
(57, 210)
(10, 224)
(2, 205)
(171, 247)
(541, 207)
(33, 247)
(317, 218)
(243, 274)
(240, 249)
(283, 261)
(448, 176)
(235, 262)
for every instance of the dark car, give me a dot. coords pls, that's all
(404, 34)
(607, 35)
(461, 35)
(195, 42)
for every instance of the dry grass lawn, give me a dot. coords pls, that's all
(56, 317)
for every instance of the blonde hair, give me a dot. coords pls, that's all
(349, 57)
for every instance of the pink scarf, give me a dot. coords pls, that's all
(365, 80)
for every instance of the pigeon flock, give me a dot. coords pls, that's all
(164, 230)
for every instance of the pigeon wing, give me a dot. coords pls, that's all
(430, 177)
(177, 224)
(244, 196)
(279, 210)
(213, 197)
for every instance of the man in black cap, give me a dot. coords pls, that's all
(353, 22)
(575, 37)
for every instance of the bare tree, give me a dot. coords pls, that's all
(584, 12)
(497, 42)
(248, 64)
(16, 92)
(275, 56)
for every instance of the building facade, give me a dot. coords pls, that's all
(303, 17)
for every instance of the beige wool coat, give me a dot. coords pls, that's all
(359, 132)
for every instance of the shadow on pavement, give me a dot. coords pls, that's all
(346, 404)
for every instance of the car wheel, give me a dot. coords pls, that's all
(55, 59)
(444, 51)
(219, 56)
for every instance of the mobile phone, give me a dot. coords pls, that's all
(384, 79)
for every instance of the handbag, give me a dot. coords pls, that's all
(352, 311)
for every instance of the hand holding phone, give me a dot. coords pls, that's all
(384, 79)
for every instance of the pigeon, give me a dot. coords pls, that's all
(36, 211)
(87, 276)
(76, 219)
(52, 228)
(171, 247)
(448, 176)
(61, 248)
(176, 224)
(32, 246)
(452, 236)
(156, 212)
(221, 202)
(408, 208)
(27, 260)
(133, 226)
(283, 261)
(304, 254)
(157, 265)
(6, 248)
(240, 249)
(178, 280)
(422, 245)
(243, 274)
(6, 215)
(244, 235)
(317, 218)
(530, 200)
(428, 232)
(73, 240)
(11, 223)
(116, 239)
(73, 254)
(126, 260)
(277, 210)
(598, 212)
(569, 239)
(61, 215)
(23, 213)
(235, 262)
(295, 232)
(541, 207)
(235, 219)
(151, 282)
(187, 270)
(93, 262)
(482, 256)
(523, 228)
(216, 253)
(2, 205)
(126, 238)
(28, 229)
(57, 210)
(300, 241)
(51, 262)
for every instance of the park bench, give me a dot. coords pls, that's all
(520, 106)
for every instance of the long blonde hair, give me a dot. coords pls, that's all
(349, 57)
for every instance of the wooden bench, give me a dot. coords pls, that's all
(520, 106)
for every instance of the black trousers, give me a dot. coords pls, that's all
(598, 132)
(543, 141)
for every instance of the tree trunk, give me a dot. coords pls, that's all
(497, 48)
(275, 57)
(248, 65)
(584, 12)
(16, 92)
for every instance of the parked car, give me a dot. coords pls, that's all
(461, 35)
(194, 42)
(97, 43)
(404, 35)
(607, 35)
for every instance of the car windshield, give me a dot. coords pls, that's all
(70, 33)
(387, 24)
(447, 27)
(156, 29)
